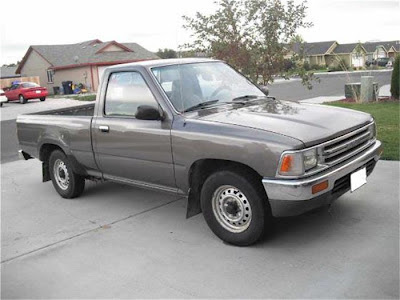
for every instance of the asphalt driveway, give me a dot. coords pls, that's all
(122, 242)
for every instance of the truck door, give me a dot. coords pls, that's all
(128, 149)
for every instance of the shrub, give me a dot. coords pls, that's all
(306, 66)
(395, 84)
(316, 67)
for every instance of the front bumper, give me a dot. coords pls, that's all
(289, 197)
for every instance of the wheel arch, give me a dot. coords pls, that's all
(201, 169)
(44, 154)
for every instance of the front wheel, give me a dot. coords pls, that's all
(22, 99)
(42, 99)
(235, 207)
(66, 182)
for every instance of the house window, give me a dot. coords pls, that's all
(50, 74)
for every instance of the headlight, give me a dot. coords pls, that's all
(296, 163)
(310, 159)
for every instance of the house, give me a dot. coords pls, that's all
(314, 53)
(8, 72)
(8, 76)
(333, 54)
(80, 63)
(375, 50)
(381, 49)
(394, 49)
(352, 55)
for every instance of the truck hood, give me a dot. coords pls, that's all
(310, 123)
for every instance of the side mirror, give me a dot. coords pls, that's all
(147, 112)
(264, 89)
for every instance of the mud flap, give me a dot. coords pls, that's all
(45, 172)
(193, 205)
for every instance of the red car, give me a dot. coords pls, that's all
(26, 90)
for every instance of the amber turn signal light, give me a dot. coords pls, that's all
(320, 187)
(286, 164)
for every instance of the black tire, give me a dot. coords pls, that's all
(1, 104)
(76, 183)
(256, 198)
(42, 99)
(22, 99)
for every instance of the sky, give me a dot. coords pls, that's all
(158, 24)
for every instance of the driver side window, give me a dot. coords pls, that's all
(126, 91)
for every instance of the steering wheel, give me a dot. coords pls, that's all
(218, 90)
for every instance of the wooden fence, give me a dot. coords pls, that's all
(6, 82)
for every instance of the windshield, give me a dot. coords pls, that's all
(189, 85)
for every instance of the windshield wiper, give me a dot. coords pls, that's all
(245, 97)
(201, 105)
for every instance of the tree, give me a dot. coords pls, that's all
(255, 36)
(395, 84)
(166, 53)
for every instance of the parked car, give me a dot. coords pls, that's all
(382, 61)
(3, 98)
(198, 128)
(370, 62)
(24, 91)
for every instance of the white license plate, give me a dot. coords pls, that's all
(38, 92)
(358, 179)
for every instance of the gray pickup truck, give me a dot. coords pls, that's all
(198, 128)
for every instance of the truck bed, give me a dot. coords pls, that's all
(69, 128)
(81, 110)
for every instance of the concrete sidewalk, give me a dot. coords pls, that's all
(121, 242)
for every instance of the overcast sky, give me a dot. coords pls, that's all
(158, 24)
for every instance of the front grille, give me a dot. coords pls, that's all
(345, 147)
(343, 184)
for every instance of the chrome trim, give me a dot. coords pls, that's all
(347, 156)
(144, 185)
(321, 166)
(300, 189)
(343, 147)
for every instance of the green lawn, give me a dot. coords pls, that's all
(386, 115)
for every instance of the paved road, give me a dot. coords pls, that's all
(330, 85)
(122, 242)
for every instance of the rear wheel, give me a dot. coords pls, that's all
(42, 99)
(22, 99)
(234, 207)
(1, 104)
(66, 182)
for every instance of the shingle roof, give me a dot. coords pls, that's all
(8, 72)
(318, 48)
(345, 48)
(87, 52)
(371, 47)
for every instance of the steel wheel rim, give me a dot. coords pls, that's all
(231, 208)
(21, 99)
(61, 174)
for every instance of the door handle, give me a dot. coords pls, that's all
(104, 128)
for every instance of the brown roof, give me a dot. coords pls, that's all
(88, 52)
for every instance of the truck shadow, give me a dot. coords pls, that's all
(313, 226)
